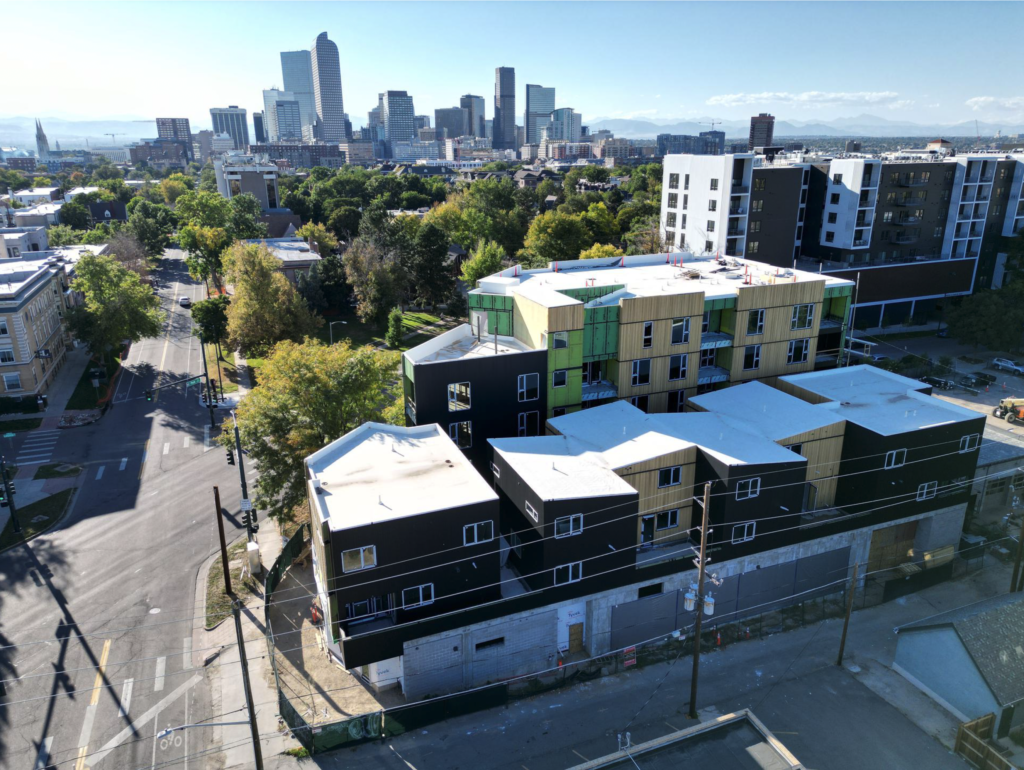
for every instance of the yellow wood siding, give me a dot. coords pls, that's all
(530, 321)
(566, 318)
(669, 306)
(773, 361)
(659, 377)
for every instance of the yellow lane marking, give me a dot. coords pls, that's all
(84, 750)
(145, 452)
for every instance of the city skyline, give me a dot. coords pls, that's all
(745, 82)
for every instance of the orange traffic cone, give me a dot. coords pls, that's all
(718, 639)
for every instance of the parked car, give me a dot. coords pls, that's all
(984, 378)
(184, 301)
(969, 381)
(1007, 365)
(939, 383)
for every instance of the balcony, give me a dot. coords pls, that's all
(655, 554)
(987, 178)
(708, 375)
(904, 238)
(909, 202)
(868, 181)
(906, 221)
(737, 211)
(715, 340)
(862, 242)
(863, 222)
(912, 182)
(865, 204)
(600, 390)
(739, 189)
(735, 232)
(831, 322)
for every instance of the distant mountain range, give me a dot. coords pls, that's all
(21, 131)
(859, 126)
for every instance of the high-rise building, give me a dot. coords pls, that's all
(488, 129)
(421, 121)
(330, 107)
(504, 108)
(259, 125)
(455, 120)
(563, 125)
(284, 115)
(398, 116)
(715, 141)
(176, 128)
(42, 144)
(540, 103)
(475, 105)
(231, 120)
(762, 131)
(297, 73)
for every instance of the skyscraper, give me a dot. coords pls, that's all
(540, 103)
(421, 121)
(762, 130)
(297, 73)
(42, 144)
(454, 119)
(284, 115)
(233, 121)
(504, 108)
(176, 128)
(475, 105)
(259, 126)
(330, 107)
(397, 115)
(562, 125)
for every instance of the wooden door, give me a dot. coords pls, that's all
(576, 638)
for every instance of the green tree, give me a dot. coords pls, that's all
(429, 271)
(393, 336)
(211, 316)
(555, 237)
(325, 242)
(63, 235)
(117, 305)
(344, 222)
(310, 288)
(332, 281)
(456, 303)
(487, 259)
(309, 394)
(244, 218)
(173, 189)
(993, 319)
(74, 214)
(152, 224)
(600, 223)
(376, 277)
(601, 251)
(644, 236)
(203, 231)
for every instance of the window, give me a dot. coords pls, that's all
(3, 328)
(515, 544)
(677, 367)
(417, 596)
(496, 470)
(490, 644)
(759, 185)
(641, 372)
(742, 533)
(830, 236)
(676, 400)
(796, 448)
(673, 200)
(359, 558)
(591, 372)
(12, 381)
(670, 477)
(755, 321)
(837, 179)
(803, 317)
(680, 331)
(686, 182)
(756, 206)
(559, 378)
(705, 322)
(969, 443)
(670, 220)
(925, 176)
(569, 573)
(714, 184)
(937, 233)
(834, 199)
(640, 402)
(709, 246)
(667, 520)
(532, 512)
(458, 396)
(652, 590)
(927, 490)
(748, 488)
(753, 247)
(895, 459)
(560, 340)
(648, 338)
(461, 433)
(711, 225)
(6, 355)
(682, 224)
(833, 217)
(529, 387)
(712, 205)
(707, 357)
(673, 181)
(798, 350)
(887, 217)
(755, 226)
(481, 532)
(752, 357)
(569, 525)
(686, 203)
(529, 423)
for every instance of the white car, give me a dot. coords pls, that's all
(184, 301)
(1007, 365)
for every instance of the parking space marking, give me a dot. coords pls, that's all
(161, 667)
(124, 462)
(99, 472)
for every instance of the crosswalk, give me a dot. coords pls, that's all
(38, 447)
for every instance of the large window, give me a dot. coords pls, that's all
(711, 226)
(670, 477)
(673, 200)
(752, 357)
(896, 458)
(359, 558)
(569, 525)
(803, 317)
(670, 220)
(676, 401)
(755, 321)
(560, 340)
(756, 207)
(705, 322)
(569, 573)
(641, 372)
(680, 331)
(529, 387)
(458, 396)
(417, 596)
(529, 423)
(759, 184)
(641, 402)
(461, 433)
(712, 205)
(648, 338)
(6, 355)
(3, 328)
(714, 184)
(673, 181)
(12, 381)
(667, 520)
(707, 357)
(798, 350)
(677, 367)
(748, 488)
(969, 443)
(927, 490)
(481, 532)
(753, 247)
(741, 533)
(559, 378)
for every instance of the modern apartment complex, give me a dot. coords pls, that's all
(916, 228)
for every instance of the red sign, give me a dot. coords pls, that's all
(630, 656)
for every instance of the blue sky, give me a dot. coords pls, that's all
(919, 61)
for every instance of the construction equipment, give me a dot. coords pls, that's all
(112, 135)
(1010, 408)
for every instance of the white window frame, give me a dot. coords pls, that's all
(453, 433)
(705, 322)
(532, 512)
(969, 442)
(647, 340)
(515, 543)
(895, 458)
(7, 382)
(680, 323)
(672, 516)
(559, 340)
(362, 551)
(805, 344)
(523, 423)
(14, 358)
(759, 326)
(453, 397)
(475, 530)
(635, 379)
(575, 525)
(4, 331)
(757, 358)
(684, 365)
(747, 532)
(675, 477)
(680, 395)
(575, 573)
(565, 375)
(496, 470)
(927, 490)
(524, 388)
(423, 602)
(795, 319)
(748, 489)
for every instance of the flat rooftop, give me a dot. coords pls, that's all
(461, 342)
(379, 473)
(288, 249)
(880, 401)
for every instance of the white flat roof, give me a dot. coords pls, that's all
(766, 410)
(288, 249)
(461, 342)
(379, 472)
(729, 438)
(880, 401)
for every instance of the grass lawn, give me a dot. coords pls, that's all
(228, 375)
(15, 426)
(84, 396)
(45, 512)
(218, 604)
(370, 334)
(57, 471)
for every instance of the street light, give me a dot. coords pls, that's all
(332, 328)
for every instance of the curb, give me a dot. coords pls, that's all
(71, 498)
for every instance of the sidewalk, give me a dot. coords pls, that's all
(244, 382)
(61, 388)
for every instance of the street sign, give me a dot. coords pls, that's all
(246, 504)
(629, 655)
(194, 381)
(8, 435)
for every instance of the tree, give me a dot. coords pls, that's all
(393, 336)
(309, 394)
(413, 200)
(555, 237)
(117, 305)
(130, 253)
(344, 222)
(601, 251)
(203, 231)
(600, 223)
(152, 224)
(992, 319)
(211, 316)
(430, 274)
(488, 259)
(173, 189)
(311, 289)
(266, 308)
(644, 236)
(244, 218)
(376, 277)
(332, 280)
(62, 235)
(456, 303)
(74, 214)
(325, 242)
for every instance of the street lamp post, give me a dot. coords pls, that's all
(332, 328)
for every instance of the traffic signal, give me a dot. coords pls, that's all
(149, 395)
(3, 497)
(252, 522)
(14, 489)
(230, 456)
(245, 519)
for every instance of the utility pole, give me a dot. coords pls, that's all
(209, 386)
(1016, 562)
(236, 611)
(250, 515)
(14, 511)
(849, 611)
(701, 568)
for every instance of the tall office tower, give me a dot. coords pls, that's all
(475, 105)
(489, 130)
(284, 115)
(233, 121)
(176, 128)
(297, 72)
(504, 108)
(540, 103)
(259, 125)
(454, 119)
(398, 116)
(421, 121)
(563, 125)
(42, 143)
(762, 131)
(330, 107)
(373, 117)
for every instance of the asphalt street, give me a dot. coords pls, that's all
(96, 617)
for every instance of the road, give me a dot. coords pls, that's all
(100, 611)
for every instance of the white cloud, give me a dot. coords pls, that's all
(996, 102)
(808, 98)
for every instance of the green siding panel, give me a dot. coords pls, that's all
(838, 291)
